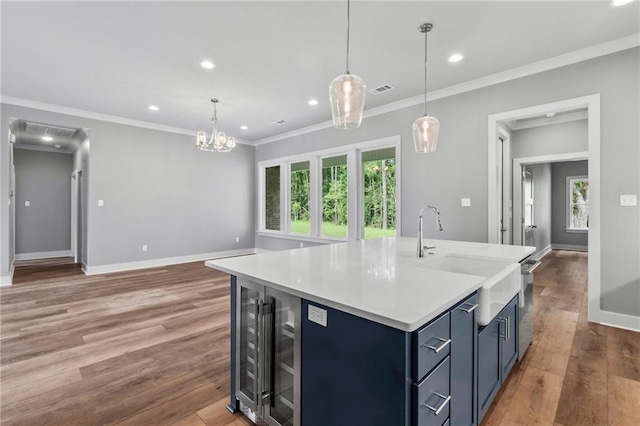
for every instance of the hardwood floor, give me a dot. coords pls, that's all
(576, 372)
(151, 347)
(147, 347)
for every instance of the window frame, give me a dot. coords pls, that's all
(570, 204)
(355, 197)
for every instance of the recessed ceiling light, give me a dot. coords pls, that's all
(57, 146)
(620, 2)
(153, 108)
(47, 138)
(551, 114)
(313, 102)
(456, 57)
(208, 65)
(244, 127)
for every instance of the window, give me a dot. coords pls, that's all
(347, 192)
(578, 203)
(272, 198)
(379, 193)
(334, 196)
(299, 200)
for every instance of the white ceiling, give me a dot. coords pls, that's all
(272, 57)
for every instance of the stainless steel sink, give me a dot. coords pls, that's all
(502, 280)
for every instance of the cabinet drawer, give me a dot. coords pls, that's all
(431, 397)
(431, 345)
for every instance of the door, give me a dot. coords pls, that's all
(282, 383)
(528, 217)
(508, 319)
(248, 326)
(488, 366)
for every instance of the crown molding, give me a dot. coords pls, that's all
(570, 58)
(27, 103)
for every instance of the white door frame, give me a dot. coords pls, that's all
(74, 215)
(592, 103)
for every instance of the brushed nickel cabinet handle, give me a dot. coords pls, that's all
(444, 403)
(504, 321)
(437, 349)
(469, 310)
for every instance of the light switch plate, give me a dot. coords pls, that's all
(317, 315)
(27, 203)
(465, 202)
(100, 203)
(629, 200)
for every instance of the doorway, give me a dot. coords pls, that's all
(49, 224)
(591, 104)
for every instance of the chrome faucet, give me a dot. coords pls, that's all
(438, 222)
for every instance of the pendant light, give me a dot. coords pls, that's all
(219, 142)
(425, 129)
(347, 93)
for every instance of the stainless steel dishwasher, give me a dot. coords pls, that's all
(525, 312)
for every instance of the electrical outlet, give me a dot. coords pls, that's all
(100, 203)
(628, 200)
(27, 203)
(237, 239)
(301, 244)
(317, 315)
(144, 247)
(465, 202)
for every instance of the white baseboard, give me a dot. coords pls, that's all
(614, 319)
(119, 267)
(7, 280)
(570, 247)
(43, 255)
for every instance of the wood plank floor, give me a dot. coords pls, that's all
(151, 347)
(576, 372)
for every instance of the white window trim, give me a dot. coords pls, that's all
(568, 227)
(355, 200)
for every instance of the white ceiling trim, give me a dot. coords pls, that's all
(101, 117)
(581, 55)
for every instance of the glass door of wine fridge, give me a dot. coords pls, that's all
(268, 340)
(249, 299)
(284, 377)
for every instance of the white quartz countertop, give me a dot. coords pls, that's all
(381, 280)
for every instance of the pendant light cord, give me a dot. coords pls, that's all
(425, 71)
(348, 24)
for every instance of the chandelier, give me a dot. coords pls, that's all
(219, 142)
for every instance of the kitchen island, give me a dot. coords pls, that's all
(361, 331)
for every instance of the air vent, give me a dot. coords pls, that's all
(280, 122)
(380, 89)
(43, 129)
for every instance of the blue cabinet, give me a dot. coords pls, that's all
(464, 343)
(497, 353)
(356, 371)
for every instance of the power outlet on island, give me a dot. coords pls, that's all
(317, 315)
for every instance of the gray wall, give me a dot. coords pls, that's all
(558, 138)
(158, 189)
(43, 179)
(560, 171)
(459, 167)
(542, 206)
